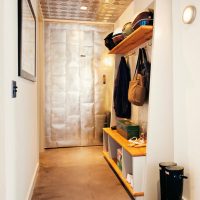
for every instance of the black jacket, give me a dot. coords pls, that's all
(121, 104)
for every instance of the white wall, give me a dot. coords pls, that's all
(160, 130)
(20, 114)
(2, 138)
(186, 68)
(160, 119)
(128, 15)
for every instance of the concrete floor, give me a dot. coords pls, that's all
(79, 173)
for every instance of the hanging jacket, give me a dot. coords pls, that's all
(121, 104)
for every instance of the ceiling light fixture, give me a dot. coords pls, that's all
(109, 1)
(189, 14)
(83, 8)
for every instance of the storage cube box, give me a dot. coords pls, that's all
(128, 129)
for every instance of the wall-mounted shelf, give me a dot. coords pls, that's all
(124, 143)
(135, 39)
(133, 161)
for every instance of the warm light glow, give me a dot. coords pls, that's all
(189, 14)
(83, 8)
(108, 61)
(109, 1)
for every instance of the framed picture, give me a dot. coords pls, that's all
(26, 40)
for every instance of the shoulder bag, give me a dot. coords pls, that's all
(137, 90)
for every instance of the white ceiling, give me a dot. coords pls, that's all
(97, 10)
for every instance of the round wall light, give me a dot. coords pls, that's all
(189, 14)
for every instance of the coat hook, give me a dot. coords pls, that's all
(131, 54)
(150, 43)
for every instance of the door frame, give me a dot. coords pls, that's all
(41, 81)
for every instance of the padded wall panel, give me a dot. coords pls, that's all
(75, 94)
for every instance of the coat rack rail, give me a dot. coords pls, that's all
(134, 52)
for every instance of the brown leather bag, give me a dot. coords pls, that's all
(137, 90)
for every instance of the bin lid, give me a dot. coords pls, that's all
(167, 164)
(175, 169)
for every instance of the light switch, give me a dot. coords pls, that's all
(14, 89)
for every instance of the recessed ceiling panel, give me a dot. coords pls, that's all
(97, 10)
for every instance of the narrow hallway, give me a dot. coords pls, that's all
(79, 173)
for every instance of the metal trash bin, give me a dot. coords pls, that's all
(174, 182)
(163, 166)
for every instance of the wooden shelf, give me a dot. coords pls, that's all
(124, 143)
(119, 173)
(135, 39)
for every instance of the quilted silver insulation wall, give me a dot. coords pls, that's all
(76, 98)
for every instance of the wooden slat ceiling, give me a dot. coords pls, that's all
(97, 10)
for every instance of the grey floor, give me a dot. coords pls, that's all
(79, 173)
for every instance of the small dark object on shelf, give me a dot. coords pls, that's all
(117, 38)
(109, 41)
(143, 19)
(113, 127)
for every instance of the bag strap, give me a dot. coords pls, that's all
(144, 59)
(144, 55)
(139, 61)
